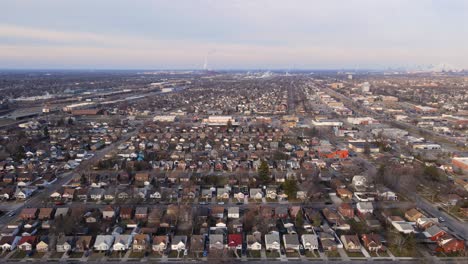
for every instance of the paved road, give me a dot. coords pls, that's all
(456, 226)
(44, 194)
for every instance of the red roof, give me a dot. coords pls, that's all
(27, 239)
(234, 240)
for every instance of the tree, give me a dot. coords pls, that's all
(290, 188)
(367, 148)
(264, 172)
(19, 154)
(299, 219)
(432, 172)
(46, 131)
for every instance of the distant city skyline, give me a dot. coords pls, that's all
(258, 34)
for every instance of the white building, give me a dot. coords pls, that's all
(310, 241)
(122, 242)
(103, 242)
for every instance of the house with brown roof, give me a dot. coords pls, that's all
(159, 243)
(141, 242)
(142, 177)
(126, 213)
(344, 193)
(83, 243)
(346, 210)
(29, 213)
(141, 213)
(197, 243)
(45, 213)
(68, 193)
(413, 215)
(108, 213)
(351, 243)
(372, 242)
(217, 211)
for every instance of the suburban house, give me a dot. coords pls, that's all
(64, 243)
(27, 243)
(434, 232)
(448, 243)
(159, 243)
(45, 213)
(344, 193)
(359, 182)
(256, 193)
(310, 241)
(103, 242)
(179, 243)
(108, 213)
(217, 241)
(141, 213)
(365, 207)
(43, 244)
(413, 215)
(235, 241)
(197, 243)
(217, 211)
(61, 212)
(8, 243)
(83, 243)
(254, 241)
(29, 213)
(141, 242)
(233, 212)
(96, 194)
(328, 241)
(346, 210)
(291, 242)
(222, 193)
(351, 242)
(281, 212)
(372, 242)
(272, 241)
(126, 213)
(122, 242)
(142, 177)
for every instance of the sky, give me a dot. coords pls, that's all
(230, 34)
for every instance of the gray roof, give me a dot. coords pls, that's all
(291, 239)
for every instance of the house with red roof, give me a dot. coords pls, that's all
(235, 241)
(27, 243)
(448, 244)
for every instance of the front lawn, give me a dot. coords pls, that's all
(254, 254)
(137, 254)
(76, 255)
(272, 254)
(38, 255)
(311, 254)
(56, 255)
(19, 254)
(332, 254)
(357, 254)
(96, 256)
(175, 254)
(292, 254)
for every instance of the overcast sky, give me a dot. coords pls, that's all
(178, 34)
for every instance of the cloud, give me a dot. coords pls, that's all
(253, 34)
